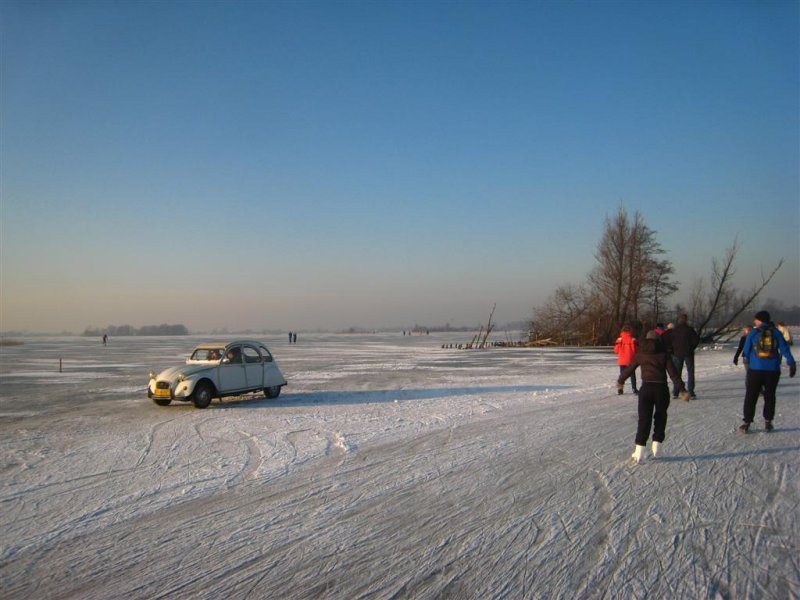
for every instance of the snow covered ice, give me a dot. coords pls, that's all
(388, 468)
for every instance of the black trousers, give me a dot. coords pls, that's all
(653, 405)
(753, 384)
(633, 377)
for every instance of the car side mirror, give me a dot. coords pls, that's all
(226, 360)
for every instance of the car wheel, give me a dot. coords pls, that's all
(272, 392)
(162, 401)
(202, 395)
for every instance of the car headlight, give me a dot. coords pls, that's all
(181, 377)
(152, 375)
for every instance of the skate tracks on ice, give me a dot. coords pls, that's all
(519, 493)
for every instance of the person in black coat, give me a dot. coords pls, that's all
(681, 342)
(742, 340)
(655, 363)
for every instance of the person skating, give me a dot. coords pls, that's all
(745, 332)
(785, 332)
(681, 342)
(655, 363)
(625, 347)
(763, 351)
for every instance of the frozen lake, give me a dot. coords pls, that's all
(389, 467)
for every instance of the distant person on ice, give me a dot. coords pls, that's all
(655, 363)
(625, 347)
(681, 342)
(763, 351)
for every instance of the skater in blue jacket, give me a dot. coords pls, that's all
(763, 351)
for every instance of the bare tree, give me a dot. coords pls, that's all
(562, 315)
(629, 277)
(631, 283)
(659, 287)
(716, 309)
(489, 327)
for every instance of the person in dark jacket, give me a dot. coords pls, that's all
(655, 363)
(742, 339)
(763, 371)
(681, 342)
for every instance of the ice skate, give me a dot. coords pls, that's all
(744, 427)
(656, 449)
(768, 425)
(638, 454)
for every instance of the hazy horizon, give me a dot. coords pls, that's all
(319, 166)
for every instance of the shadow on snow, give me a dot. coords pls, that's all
(736, 454)
(379, 396)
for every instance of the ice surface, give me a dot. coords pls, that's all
(388, 468)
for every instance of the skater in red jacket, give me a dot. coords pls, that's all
(626, 347)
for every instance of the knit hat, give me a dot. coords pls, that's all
(763, 316)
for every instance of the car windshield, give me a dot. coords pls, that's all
(207, 354)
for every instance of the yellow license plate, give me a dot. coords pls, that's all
(161, 393)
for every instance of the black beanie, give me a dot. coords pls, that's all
(763, 316)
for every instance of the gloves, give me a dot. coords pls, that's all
(684, 394)
(792, 369)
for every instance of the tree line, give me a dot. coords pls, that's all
(127, 330)
(631, 284)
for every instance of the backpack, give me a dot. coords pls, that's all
(767, 344)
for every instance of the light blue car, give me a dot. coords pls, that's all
(219, 369)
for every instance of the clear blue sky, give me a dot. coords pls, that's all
(305, 165)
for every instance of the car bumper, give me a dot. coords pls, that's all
(180, 391)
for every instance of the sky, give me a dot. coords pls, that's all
(321, 165)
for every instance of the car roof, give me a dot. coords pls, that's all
(225, 344)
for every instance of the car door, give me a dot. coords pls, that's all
(254, 367)
(272, 374)
(232, 375)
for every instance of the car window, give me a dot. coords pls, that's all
(234, 355)
(265, 353)
(251, 355)
(206, 354)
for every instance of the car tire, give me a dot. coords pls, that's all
(272, 392)
(162, 401)
(203, 393)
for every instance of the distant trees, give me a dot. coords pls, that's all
(781, 312)
(163, 329)
(631, 283)
(127, 330)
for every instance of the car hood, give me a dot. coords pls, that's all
(173, 373)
